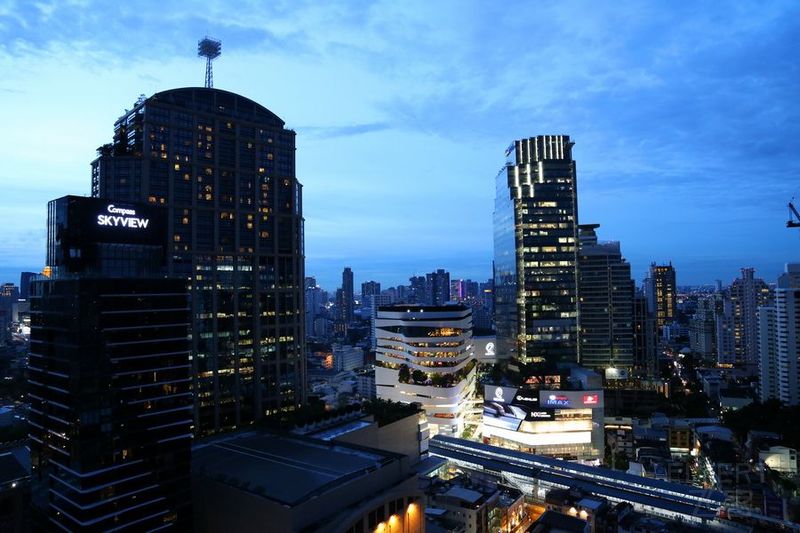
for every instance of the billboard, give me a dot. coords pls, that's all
(508, 407)
(571, 399)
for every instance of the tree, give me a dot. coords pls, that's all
(419, 376)
(404, 375)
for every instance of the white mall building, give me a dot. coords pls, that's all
(425, 354)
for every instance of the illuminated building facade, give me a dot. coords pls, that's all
(425, 354)
(557, 423)
(224, 167)
(535, 247)
(109, 373)
(663, 294)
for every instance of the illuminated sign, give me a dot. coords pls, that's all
(541, 414)
(498, 394)
(489, 349)
(591, 399)
(557, 400)
(122, 217)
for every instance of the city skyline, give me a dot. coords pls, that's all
(678, 106)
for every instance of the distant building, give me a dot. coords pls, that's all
(663, 294)
(779, 339)
(780, 458)
(424, 354)
(346, 313)
(25, 279)
(644, 337)
(605, 308)
(474, 505)
(369, 288)
(437, 287)
(535, 251)
(747, 294)
(347, 357)
(702, 328)
(416, 291)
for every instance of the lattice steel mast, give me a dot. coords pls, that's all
(210, 49)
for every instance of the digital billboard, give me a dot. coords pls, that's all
(508, 407)
(571, 399)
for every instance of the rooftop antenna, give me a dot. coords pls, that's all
(210, 49)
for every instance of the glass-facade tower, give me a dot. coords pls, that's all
(535, 243)
(224, 166)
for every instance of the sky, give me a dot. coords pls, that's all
(685, 118)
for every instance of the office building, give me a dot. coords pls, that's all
(315, 299)
(437, 287)
(109, 373)
(347, 309)
(662, 296)
(605, 308)
(747, 294)
(224, 167)
(424, 354)
(535, 251)
(724, 329)
(779, 339)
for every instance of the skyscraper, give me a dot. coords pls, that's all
(535, 251)
(110, 375)
(606, 304)
(644, 337)
(348, 298)
(416, 290)
(747, 294)
(663, 294)
(224, 166)
(779, 340)
(437, 287)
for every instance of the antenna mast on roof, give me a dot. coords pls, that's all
(210, 49)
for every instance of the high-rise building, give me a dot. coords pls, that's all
(778, 342)
(663, 294)
(747, 294)
(768, 388)
(347, 311)
(437, 287)
(110, 374)
(416, 290)
(224, 166)
(425, 354)
(369, 288)
(724, 329)
(702, 328)
(535, 251)
(644, 337)
(314, 300)
(605, 309)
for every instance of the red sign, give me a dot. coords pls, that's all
(591, 399)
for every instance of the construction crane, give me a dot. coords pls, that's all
(794, 217)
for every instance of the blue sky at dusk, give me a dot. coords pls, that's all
(685, 117)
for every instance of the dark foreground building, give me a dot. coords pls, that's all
(111, 407)
(224, 167)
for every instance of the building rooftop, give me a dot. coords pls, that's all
(286, 469)
(557, 522)
(11, 469)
